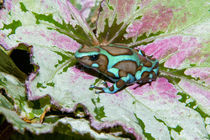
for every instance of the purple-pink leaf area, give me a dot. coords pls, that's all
(123, 8)
(175, 50)
(8, 5)
(202, 73)
(178, 52)
(53, 38)
(86, 7)
(152, 21)
(64, 9)
(202, 95)
(161, 87)
(79, 73)
(174, 106)
(62, 41)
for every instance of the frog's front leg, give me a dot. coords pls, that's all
(123, 81)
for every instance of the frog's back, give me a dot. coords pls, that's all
(132, 61)
(122, 58)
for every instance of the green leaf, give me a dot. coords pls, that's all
(13, 26)
(176, 104)
(23, 8)
(32, 110)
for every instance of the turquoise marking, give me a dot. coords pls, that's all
(126, 79)
(139, 73)
(150, 76)
(156, 70)
(80, 55)
(95, 65)
(129, 78)
(114, 71)
(119, 58)
(106, 90)
(140, 52)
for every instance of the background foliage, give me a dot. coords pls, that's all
(56, 97)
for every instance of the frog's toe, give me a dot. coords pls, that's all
(105, 84)
(100, 89)
(98, 92)
(92, 86)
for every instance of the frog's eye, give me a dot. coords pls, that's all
(94, 57)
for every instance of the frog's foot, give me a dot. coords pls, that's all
(150, 57)
(100, 89)
(105, 84)
(106, 89)
(112, 89)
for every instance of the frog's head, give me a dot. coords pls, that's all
(92, 58)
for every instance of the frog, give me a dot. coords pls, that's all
(122, 65)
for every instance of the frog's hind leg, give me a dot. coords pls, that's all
(122, 82)
(105, 84)
(112, 89)
(99, 88)
(141, 52)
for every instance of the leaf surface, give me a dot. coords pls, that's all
(19, 112)
(175, 106)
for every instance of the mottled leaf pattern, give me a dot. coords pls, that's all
(24, 111)
(175, 106)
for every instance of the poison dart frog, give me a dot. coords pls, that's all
(122, 65)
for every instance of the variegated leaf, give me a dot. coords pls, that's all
(175, 106)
